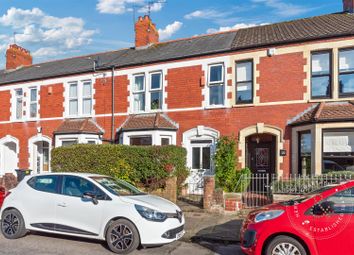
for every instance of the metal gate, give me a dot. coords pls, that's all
(256, 190)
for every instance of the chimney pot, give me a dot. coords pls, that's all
(17, 56)
(145, 32)
(348, 6)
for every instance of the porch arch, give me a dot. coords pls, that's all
(261, 128)
(9, 150)
(32, 148)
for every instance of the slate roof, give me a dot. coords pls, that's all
(79, 126)
(151, 121)
(320, 27)
(325, 112)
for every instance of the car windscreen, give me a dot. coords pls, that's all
(306, 197)
(117, 187)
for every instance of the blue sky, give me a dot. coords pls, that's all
(54, 29)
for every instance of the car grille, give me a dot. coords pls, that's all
(171, 234)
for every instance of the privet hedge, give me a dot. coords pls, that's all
(142, 165)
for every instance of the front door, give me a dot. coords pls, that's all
(261, 157)
(201, 165)
(41, 157)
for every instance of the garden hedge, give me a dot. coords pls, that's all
(146, 165)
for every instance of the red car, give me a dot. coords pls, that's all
(2, 195)
(320, 223)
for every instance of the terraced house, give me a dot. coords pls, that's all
(284, 90)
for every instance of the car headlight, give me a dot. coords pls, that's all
(268, 215)
(150, 214)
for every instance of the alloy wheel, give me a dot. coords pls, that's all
(121, 237)
(286, 249)
(10, 224)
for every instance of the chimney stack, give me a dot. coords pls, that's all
(16, 56)
(348, 6)
(146, 32)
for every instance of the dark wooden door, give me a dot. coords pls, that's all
(261, 157)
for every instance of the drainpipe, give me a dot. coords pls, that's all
(113, 106)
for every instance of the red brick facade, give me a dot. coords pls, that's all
(282, 78)
(51, 101)
(184, 87)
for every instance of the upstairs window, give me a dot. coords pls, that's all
(147, 92)
(244, 82)
(80, 98)
(346, 72)
(33, 103)
(216, 84)
(156, 91)
(139, 93)
(321, 73)
(19, 104)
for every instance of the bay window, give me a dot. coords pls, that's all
(33, 104)
(321, 74)
(244, 82)
(305, 149)
(139, 93)
(338, 150)
(80, 98)
(216, 84)
(141, 140)
(346, 72)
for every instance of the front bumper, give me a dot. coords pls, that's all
(248, 241)
(159, 233)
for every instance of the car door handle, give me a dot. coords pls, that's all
(62, 205)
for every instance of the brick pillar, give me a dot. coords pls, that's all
(9, 181)
(209, 188)
(171, 189)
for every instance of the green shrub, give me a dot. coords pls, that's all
(241, 185)
(142, 165)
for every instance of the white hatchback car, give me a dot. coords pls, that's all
(92, 206)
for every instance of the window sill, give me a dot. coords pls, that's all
(211, 107)
(320, 100)
(243, 105)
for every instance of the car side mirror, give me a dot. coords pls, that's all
(90, 196)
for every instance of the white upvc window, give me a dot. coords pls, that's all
(216, 84)
(65, 140)
(156, 91)
(139, 93)
(147, 92)
(33, 103)
(79, 98)
(19, 104)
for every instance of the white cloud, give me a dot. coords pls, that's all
(205, 14)
(235, 27)
(284, 9)
(123, 6)
(47, 35)
(169, 30)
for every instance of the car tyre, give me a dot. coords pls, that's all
(13, 224)
(122, 237)
(285, 245)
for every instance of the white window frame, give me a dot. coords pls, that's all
(80, 138)
(30, 102)
(216, 83)
(15, 104)
(80, 99)
(139, 92)
(155, 134)
(148, 90)
(160, 89)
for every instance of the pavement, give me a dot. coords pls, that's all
(206, 234)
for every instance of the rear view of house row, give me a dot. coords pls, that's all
(285, 90)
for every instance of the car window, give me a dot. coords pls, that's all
(340, 202)
(44, 183)
(77, 186)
